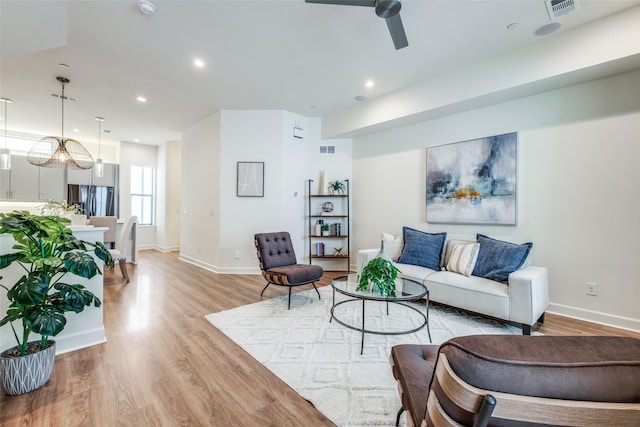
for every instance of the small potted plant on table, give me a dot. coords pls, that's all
(380, 274)
(50, 255)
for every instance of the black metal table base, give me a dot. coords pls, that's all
(363, 330)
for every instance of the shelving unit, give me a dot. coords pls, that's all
(340, 215)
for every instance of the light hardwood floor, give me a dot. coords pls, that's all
(165, 365)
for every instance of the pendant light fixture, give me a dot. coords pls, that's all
(99, 166)
(5, 155)
(60, 152)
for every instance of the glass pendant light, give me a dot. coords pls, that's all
(99, 166)
(60, 152)
(5, 155)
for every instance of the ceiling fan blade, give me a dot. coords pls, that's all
(396, 29)
(369, 3)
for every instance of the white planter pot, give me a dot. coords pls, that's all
(19, 375)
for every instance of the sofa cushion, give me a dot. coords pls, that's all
(463, 258)
(393, 245)
(497, 259)
(588, 368)
(471, 293)
(422, 248)
(448, 248)
(415, 272)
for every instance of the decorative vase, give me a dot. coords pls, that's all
(383, 253)
(23, 374)
(390, 288)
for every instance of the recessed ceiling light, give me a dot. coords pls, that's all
(513, 26)
(141, 99)
(547, 29)
(146, 7)
(136, 140)
(61, 65)
(76, 130)
(369, 83)
(360, 98)
(199, 63)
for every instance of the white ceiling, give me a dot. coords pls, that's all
(309, 59)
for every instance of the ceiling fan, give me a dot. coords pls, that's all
(387, 9)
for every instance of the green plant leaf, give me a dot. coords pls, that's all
(46, 320)
(75, 297)
(7, 259)
(81, 264)
(103, 253)
(30, 290)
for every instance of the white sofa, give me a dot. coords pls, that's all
(523, 300)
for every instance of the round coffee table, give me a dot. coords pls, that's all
(406, 290)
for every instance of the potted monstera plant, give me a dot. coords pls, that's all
(51, 257)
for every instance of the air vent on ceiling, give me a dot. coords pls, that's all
(327, 149)
(560, 8)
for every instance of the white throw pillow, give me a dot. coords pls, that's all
(463, 258)
(393, 245)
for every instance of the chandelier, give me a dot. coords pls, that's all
(60, 152)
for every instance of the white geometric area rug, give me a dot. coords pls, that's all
(321, 360)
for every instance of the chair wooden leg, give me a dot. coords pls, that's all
(123, 269)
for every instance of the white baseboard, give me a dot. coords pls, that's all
(606, 319)
(167, 248)
(67, 343)
(219, 270)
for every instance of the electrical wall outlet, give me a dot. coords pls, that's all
(592, 289)
(237, 253)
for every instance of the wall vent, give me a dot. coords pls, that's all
(327, 149)
(559, 8)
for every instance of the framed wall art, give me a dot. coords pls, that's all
(250, 179)
(473, 182)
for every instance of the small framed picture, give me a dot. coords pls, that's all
(250, 179)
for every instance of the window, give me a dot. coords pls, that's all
(142, 194)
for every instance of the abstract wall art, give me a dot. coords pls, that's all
(250, 179)
(473, 182)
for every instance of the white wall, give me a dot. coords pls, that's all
(253, 136)
(577, 191)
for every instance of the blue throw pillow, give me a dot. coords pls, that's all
(497, 259)
(422, 248)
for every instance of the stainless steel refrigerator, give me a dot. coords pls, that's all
(94, 200)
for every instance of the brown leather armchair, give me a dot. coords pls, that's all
(500, 380)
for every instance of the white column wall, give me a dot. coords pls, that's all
(168, 196)
(199, 228)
